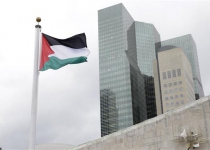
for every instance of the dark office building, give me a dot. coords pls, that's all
(141, 46)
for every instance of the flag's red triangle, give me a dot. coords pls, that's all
(46, 51)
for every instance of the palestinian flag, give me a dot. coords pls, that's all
(57, 53)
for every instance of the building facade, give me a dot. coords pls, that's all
(142, 39)
(109, 114)
(113, 23)
(174, 77)
(126, 51)
(188, 45)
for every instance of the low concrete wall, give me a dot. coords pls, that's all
(160, 133)
(53, 146)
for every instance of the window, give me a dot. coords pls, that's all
(172, 103)
(170, 91)
(181, 88)
(176, 96)
(164, 75)
(167, 104)
(174, 73)
(165, 85)
(166, 92)
(170, 84)
(180, 82)
(175, 83)
(171, 97)
(175, 90)
(177, 103)
(166, 98)
(169, 74)
(182, 101)
(179, 72)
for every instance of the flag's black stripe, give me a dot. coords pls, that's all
(77, 41)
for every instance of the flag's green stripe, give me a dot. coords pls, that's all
(55, 63)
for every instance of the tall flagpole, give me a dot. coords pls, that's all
(32, 138)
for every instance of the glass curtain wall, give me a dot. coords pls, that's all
(142, 43)
(113, 23)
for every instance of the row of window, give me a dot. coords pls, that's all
(177, 103)
(173, 97)
(170, 84)
(171, 73)
(171, 90)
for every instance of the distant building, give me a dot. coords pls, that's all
(127, 48)
(142, 39)
(173, 77)
(187, 43)
(113, 23)
(126, 51)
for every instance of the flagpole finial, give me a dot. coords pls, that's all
(38, 19)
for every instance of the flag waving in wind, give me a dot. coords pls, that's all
(57, 53)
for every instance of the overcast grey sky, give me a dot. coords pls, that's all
(68, 102)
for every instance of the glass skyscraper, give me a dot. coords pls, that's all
(113, 23)
(141, 46)
(126, 51)
(188, 45)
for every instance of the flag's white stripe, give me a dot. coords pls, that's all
(63, 52)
